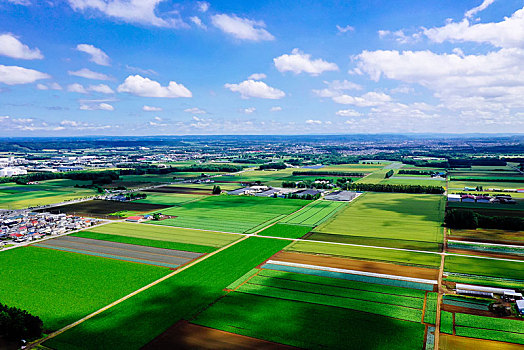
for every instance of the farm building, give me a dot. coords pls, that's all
(470, 188)
(305, 193)
(499, 291)
(512, 296)
(135, 219)
(269, 193)
(12, 171)
(482, 199)
(520, 306)
(454, 198)
(341, 196)
(467, 198)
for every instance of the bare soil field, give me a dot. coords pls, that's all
(466, 310)
(359, 265)
(185, 335)
(179, 189)
(98, 208)
(453, 342)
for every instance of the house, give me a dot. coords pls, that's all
(454, 197)
(135, 219)
(248, 190)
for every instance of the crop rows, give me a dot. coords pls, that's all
(315, 214)
(430, 314)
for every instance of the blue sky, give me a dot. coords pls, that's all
(164, 67)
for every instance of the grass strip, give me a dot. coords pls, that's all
(241, 280)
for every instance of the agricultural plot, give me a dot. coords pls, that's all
(368, 253)
(499, 329)
(414, 180)
(308, 325)
(286, 230)
(236, 214)
(169, 199)
(62, 287)
(388, 219)
(446, 322)
(180, 190)
(120, 251)
(513, 270)
(136, 321)
(102, 208)
(167, 234)
(513, 251)
(430, 314)
(14, 196)
(315, 213)
(488, 235)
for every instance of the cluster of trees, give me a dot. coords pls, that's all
(396, 188)
(272, 166)
(72, 175)
(17, 324)
(326, 173)
(306, 197)
(389, 174)
(460, 178)
(468, 219)
(216, 190)
(135, 196)
(415, 172)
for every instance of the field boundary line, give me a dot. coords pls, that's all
(107, 307)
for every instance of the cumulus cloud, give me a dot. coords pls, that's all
(195, 110)
(508, 33)
(97, 107)
(79, 88)
(241, 28)
(151, 109)
(101, 88)
(348, 113)
(249, 110)
(336, 88)
(203, 6)
(252, 88)
(313, 122)
(399, 36)
(275, 109)
(481, 7)
(257, 76)
(130, 11)
(79, 125)
(97, 56)
(298, 62)
(52, 86)
(10, 46)
(145, 87)
(369, 99)
(198, 22)
(345, 29)
(89, 74)
(14, 75)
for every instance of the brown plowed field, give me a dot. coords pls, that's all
(185, 335)
(101, 208)
(360, 265)
(454, 342)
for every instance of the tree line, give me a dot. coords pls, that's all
(17, 324)
(327, 173)
(396, 188)
(468, 219)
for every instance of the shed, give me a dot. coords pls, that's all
(520, 306)
(454, 197)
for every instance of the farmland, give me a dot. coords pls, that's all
(67, 286)
(103, 208)
(222, 213)
(315, 213)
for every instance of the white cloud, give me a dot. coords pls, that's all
(89, 74)
(481, 7)
(348, 113)
(10, 46)
(14, 75)
(249, 110)
(20, 2)
(195, 110)
(313, 122)
(97, 107)
(151, 109)
(400, 36)
(52, 86)
(345, 29)
(508, 33)
(130, 11)
(145, 87)
(369, 99)
(101, 88)
(79, 125)
(203, 6)
(198, 22)
(97, 56)
(241, 28)
(77, 88)
(336, 88)
(252, 88)
(257, 76)
(298, 62)
(275, 109)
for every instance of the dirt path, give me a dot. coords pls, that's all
(440, 291)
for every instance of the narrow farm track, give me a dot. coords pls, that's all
(76, 323)
(440, 291)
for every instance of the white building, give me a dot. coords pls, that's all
(11, 171)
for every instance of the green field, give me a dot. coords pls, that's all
(413, 180)
(309, 326)
(62, 287)
(136, 321)
(398, 219)
(286, 230)
(490, 328)
(170, 198)
(446, 322)
(315, 213)
(368, 253)
(169, 234)
(237, 214)
(485, 267)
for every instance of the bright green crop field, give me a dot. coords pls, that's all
(136, 321)
(315, 213)
(286, 230)
(513, 269)
(236, 214)
(169, 234)
(490, 328)
(309, 326)
(398, 218)
(62, 287)
(170, 198)
(23, 196)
